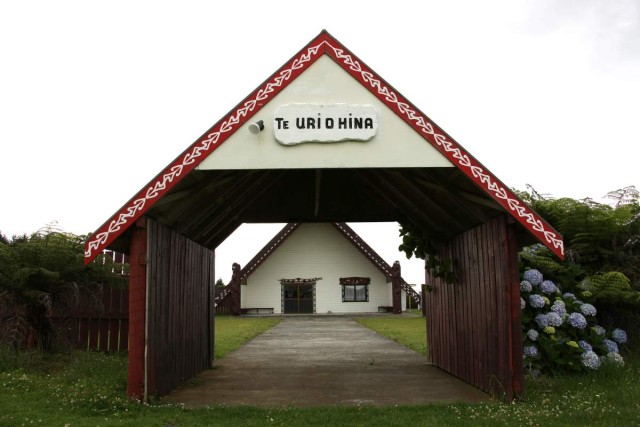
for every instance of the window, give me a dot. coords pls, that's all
(355, 289)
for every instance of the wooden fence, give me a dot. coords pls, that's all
(102, 320)
(92, 317)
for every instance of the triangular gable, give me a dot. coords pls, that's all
(347, 232)
(323, 44)
(267, 250)
(325, 83)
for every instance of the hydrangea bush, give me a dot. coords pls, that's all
(560, 332)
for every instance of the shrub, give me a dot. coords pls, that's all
(560, 332)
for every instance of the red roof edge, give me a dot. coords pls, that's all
(202, 147)
(344, 229)
(324, 43)
(268, 249)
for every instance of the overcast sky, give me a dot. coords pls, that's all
(96, 98)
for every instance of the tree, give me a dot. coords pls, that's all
(602, 247)
(34, 271)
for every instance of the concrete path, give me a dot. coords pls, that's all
(322, 361)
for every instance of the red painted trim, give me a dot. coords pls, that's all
(137, 313)
(472, 168)
(267, 250)
(200, 149)
(220, 132)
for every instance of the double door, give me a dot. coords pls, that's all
(298, 298)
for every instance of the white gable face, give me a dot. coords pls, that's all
(363, 132)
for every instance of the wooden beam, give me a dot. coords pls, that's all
(453, 196)
(515, 327)
(487, 202)
(318, 180)
(421, 197)
(137, 311)
(402, 205)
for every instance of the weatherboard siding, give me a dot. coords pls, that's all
(317, 250)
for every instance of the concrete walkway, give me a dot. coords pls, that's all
(321, 361)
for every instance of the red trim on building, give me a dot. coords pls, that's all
(267, 250)
(220, 132)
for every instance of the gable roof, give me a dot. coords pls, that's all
(179, 182)
(344, 229)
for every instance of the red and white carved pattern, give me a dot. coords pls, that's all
(321, 45)
(195, 154)
(452, 151)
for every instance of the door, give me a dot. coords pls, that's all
(298, 298)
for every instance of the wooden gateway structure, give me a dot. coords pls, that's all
(324, 139)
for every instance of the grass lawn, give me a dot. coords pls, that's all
(79, 388)
(408, 331)
(232, 332)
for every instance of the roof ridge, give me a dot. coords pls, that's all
(268, 249)
(323, 44)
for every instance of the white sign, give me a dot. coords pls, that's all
(297, 123)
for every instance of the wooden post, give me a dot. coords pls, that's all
(211, 306)
(137, 310)
(396, 289)
(515, 327)
(235, 289)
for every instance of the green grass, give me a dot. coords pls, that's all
(408, 331)
(80, 388)
(232, 332)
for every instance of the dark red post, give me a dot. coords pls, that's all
(235, 289)
(396, 288)
(137, 310)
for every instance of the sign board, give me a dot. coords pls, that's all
(298, 123)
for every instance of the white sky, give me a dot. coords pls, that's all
(96, 98)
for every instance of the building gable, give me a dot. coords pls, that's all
(323, 44)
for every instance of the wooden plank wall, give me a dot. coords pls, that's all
(105, 328)
(180, 281)
(473, 325)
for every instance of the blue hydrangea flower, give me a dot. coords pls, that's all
(559, 308)
(525, 286)
(612, 347)
(569, 295)
(590, 360)
(548, 287)
(615, 359)
(530, 351)
(532, 334)
(542, 321)
(554, 319)
(577, 320)
(588, 310)
(599, 330)
(585, 345)
(619, 336)
(523, 304)
(533, 276)
(536, 301)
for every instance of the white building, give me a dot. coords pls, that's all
(320, 268)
